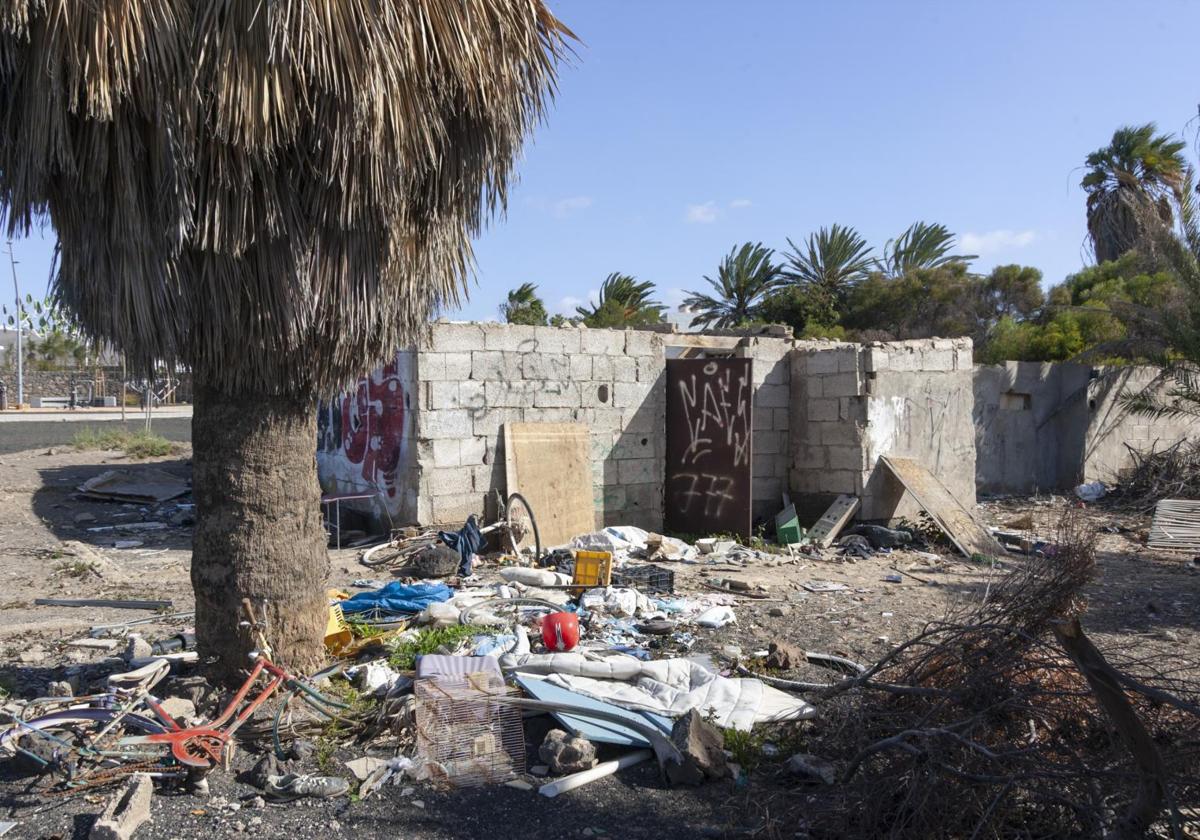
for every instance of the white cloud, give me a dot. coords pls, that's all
(994, 241)
(566, 206)
(702, 214)
(567, 305)
(739, 203)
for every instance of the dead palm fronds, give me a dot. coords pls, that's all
(277, 194)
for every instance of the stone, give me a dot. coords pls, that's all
(702, 746)
(60, 688)
(126, 811)
(565, 753)
(777, 612)
(784, 656)
(94, 644)
(83, 518)
(539, 770)
(519, 784)
(33, 656)
(812, 768)
(179, 708)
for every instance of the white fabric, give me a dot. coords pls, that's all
(670, 687)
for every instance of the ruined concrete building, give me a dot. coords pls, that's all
(812, 418)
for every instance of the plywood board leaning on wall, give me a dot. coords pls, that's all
(963, 529)
(549, 464)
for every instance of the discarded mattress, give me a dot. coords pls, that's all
(397, 597)
(670, 687)
(145, 486)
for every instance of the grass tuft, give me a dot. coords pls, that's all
(138, 444)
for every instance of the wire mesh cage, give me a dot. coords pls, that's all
(469, 740)
(645, 578)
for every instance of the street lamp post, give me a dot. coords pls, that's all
(20, 329)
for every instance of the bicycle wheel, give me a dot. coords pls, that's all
(79, 745)
(521, 527)
(396, 552)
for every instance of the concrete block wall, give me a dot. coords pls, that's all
(771, 442)
(854, 403)
(475, 377)
(919, 399)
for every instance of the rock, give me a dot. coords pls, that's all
(777, 612)
(182, 518)
(265, 767)
(257, 803)
(784, 656)
(255, 822)
(179, 708)
(137, 648)
(812, 768)
(60, 688)
(126, 811)
(83, 518)
(519, 784)
(94, 644)
(239, 827)
(364, 766)
(33, 656)
(566, 753)
(703, 747)
(539, 770)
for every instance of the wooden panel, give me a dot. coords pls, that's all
(833, 521)
(1176, 526)
(550, 465)
(963, 529)
(709, 453)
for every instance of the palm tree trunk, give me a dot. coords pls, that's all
(258, 529)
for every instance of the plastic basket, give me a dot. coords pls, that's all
(592, 568)
(645, 578)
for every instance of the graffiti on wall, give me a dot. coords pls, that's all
(709, 427)
(366, 427)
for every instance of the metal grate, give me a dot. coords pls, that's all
(1176, 526)
(645, 578)
(468, 740)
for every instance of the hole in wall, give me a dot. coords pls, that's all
(602, 393)
(645, 441)
(1015, 401)
(1092, 405)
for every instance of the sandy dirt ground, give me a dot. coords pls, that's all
(1139, 599)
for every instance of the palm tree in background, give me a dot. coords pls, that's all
(827, 267)
(922, 245)
(276, 195)
(524, 306)
(623, 302)
(745, 275)
(1133, 185)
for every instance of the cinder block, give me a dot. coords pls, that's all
(874, 359)
(472, 451)
(552, 414)
(902, 358)
(556, 339)
(597, 395)
(453, 509)
(766, 489)
(634, 445)
(848, 360)
(810, 458)
(603, 368)
(446, 481)
(767, 443)
(772, 396)
(488, 365)
(581, 367)
(845, 457)
(937, 360)
(823, 361)
(511, 337)
(471, 395)
(487, 424)
(602, 342)
(841, 385)
(441, 395)
(444, 423)
(502, 394)
(822, 410)
(774, 372)
(126, 811)
(445, 453)
(431, 366)
(630, 394)
(455, 338)
(838, 481)
(852, 409)
(963, 359)
(650, 368)
(556, 395)
(646, 496)
(763, 420)
(640, 471)
(840, 434)
(624, 369)
(647, 420)
(606, 420)
(424, 509)
(783, 418)
(458, 366)
(613, 498)
(487, 477)
(642, 343)
(602, 446)
(548, 366)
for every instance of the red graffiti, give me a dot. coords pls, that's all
(373, 427)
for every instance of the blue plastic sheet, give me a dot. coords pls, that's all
(397, 597)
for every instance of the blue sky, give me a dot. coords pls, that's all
(686, 126)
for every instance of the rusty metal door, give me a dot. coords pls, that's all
(709, 424)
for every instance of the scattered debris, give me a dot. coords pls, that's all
(959, 524)
(833, 520)
(126, 811)
(564, 753)
(102, 602)
(141, 486)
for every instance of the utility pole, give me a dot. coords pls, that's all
(20, 328)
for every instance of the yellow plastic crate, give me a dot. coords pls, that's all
(592, 568)
(337, 631)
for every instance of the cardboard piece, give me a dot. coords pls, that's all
(550, 465)
(964, 530)
(144, 486)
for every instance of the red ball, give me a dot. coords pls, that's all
(560, 631)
